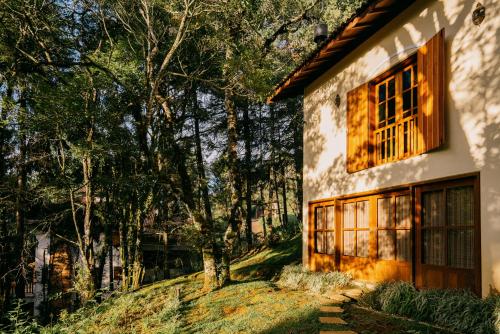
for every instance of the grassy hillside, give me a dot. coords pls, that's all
(252, 304)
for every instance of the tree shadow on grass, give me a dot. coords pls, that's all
(270, 263)
(307, 323)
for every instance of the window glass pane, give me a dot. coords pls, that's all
(433, 208)
(384, 212)
(349, 215)
(330, 242)
(407, 100)
(381, 113)
(319, 242)
(433, 247)
(391, 88)
(319, 218)
(362, 243)
(330, 217)
(363, 214)
(391, 108)
(403, 211)
(349, 243)
(415, 75)
(381, 93)
(461, 248)
(407, 79)
(403, 245)
(460, 206)
(386, 249)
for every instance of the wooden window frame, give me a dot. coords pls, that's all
(393, 196)
(390, 137)
(324, 230)
(355, 229)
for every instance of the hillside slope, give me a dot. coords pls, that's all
(252, 304)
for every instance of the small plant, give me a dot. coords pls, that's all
(19, 321)
(298, 278)
(461, 311)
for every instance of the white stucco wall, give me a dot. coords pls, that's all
(472, 114)
(42, 258)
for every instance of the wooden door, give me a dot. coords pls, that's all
(448, 235)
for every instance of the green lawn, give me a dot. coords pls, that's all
(252, 304)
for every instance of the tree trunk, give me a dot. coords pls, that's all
(20, 196)
(285, 209)
(166, 269)
(208, 245)
(261, 190)
(248, 176)
(277, 192)
(88, 226)
(138, 265)
(298, 159)
(124, 247)
(270, 212)
(235, 219)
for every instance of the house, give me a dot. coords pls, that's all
(402, 145)
(50, 278)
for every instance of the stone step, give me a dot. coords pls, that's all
(332, 320)
(338, 298)
(337, 332)
(353, 293)
(331, 309)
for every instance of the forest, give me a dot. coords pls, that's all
(125, 116)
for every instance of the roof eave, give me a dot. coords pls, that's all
(367, 20)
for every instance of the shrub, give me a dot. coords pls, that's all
(461, 311)
(298, 278)
(19, 321)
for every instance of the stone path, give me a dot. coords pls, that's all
(330, 316)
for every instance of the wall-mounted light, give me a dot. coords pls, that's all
(337, 101)
(478, 14)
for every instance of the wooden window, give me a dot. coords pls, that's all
(448, 227)
(400, 113)
(396, 99)
(356, 228)
(394, 227)
(324, 229)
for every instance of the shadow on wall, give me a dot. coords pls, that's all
(472, 106)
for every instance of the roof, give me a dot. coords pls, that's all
(365, 22)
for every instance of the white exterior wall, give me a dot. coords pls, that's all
(472, 114)
(42, 257)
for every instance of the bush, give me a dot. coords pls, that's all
(19, 321)
(298, 278)
(461, 311)
(496, 313)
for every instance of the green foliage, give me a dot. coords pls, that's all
(461, 311)
(19, 321)
(497, 315)
(296, 277)
(155, 310)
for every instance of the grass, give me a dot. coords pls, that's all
(460, 311)
(253, 303)
(296, 277)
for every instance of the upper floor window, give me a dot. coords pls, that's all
(396, 109)
(400, 113)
